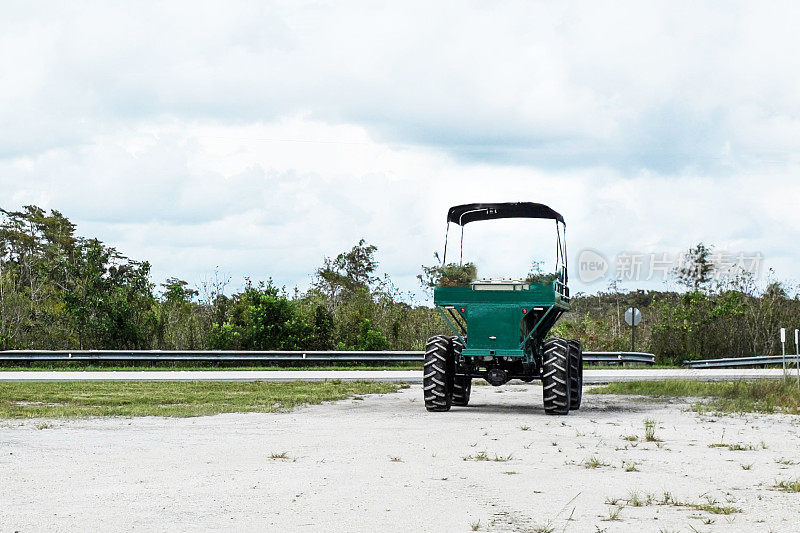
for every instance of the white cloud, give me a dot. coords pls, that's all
(261, 137)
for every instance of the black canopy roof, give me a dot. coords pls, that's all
(464, 214)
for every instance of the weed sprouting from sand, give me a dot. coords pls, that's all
(630, 466)
(650, 430)
(476, 525)
(747, 467)
(634, 500)
(395, 459)
(525, 428)
(279, 455)
(593, 462)
(483, 456)
(735, 447)
(792, 485)
(613, 514)
(710, 506)
(715, 509)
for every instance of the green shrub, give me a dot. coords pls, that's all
(537, 275)
(449, 275)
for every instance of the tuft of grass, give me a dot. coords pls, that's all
(172, 398)
(476, 525)
(650, 430)
(747, 467)
(667, 499)
(630, 438)
(593, 462)
(710, 505)
(510, 473)
(613, 514)
(281, 455)
(785, 461)
(483, 456)
(544, 528)
(630, 466)
(524, 428)
(792, 485)
(714, 508)
(735, 447)
(762, 396)
(395, 459)
(634, 499)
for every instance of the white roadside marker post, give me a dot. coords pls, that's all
(783, 348)
(797, 350)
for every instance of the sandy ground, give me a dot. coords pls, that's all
(382, 463)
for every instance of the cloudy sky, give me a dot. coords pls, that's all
(260, 137)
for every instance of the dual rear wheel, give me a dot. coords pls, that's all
(440, 384)
(562, 375)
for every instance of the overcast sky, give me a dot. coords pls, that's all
(260, 137)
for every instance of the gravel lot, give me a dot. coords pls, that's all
(382, 463)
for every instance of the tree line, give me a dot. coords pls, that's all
(62, 291)
(714, 317)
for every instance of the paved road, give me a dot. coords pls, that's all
(409, 376)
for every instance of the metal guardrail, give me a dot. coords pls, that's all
(206, 355)
(619, 357)
(267, 356)
(730, 362)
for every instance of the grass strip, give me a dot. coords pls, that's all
(172, 398)
(762, 396)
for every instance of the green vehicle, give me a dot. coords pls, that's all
(499, 326)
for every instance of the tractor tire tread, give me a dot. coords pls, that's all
(462, 385)
(575, 373)
(438, 374)
(556, 384)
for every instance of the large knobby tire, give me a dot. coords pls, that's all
(437, 376)
(575, 374)
(462, 385)
(555, 377)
